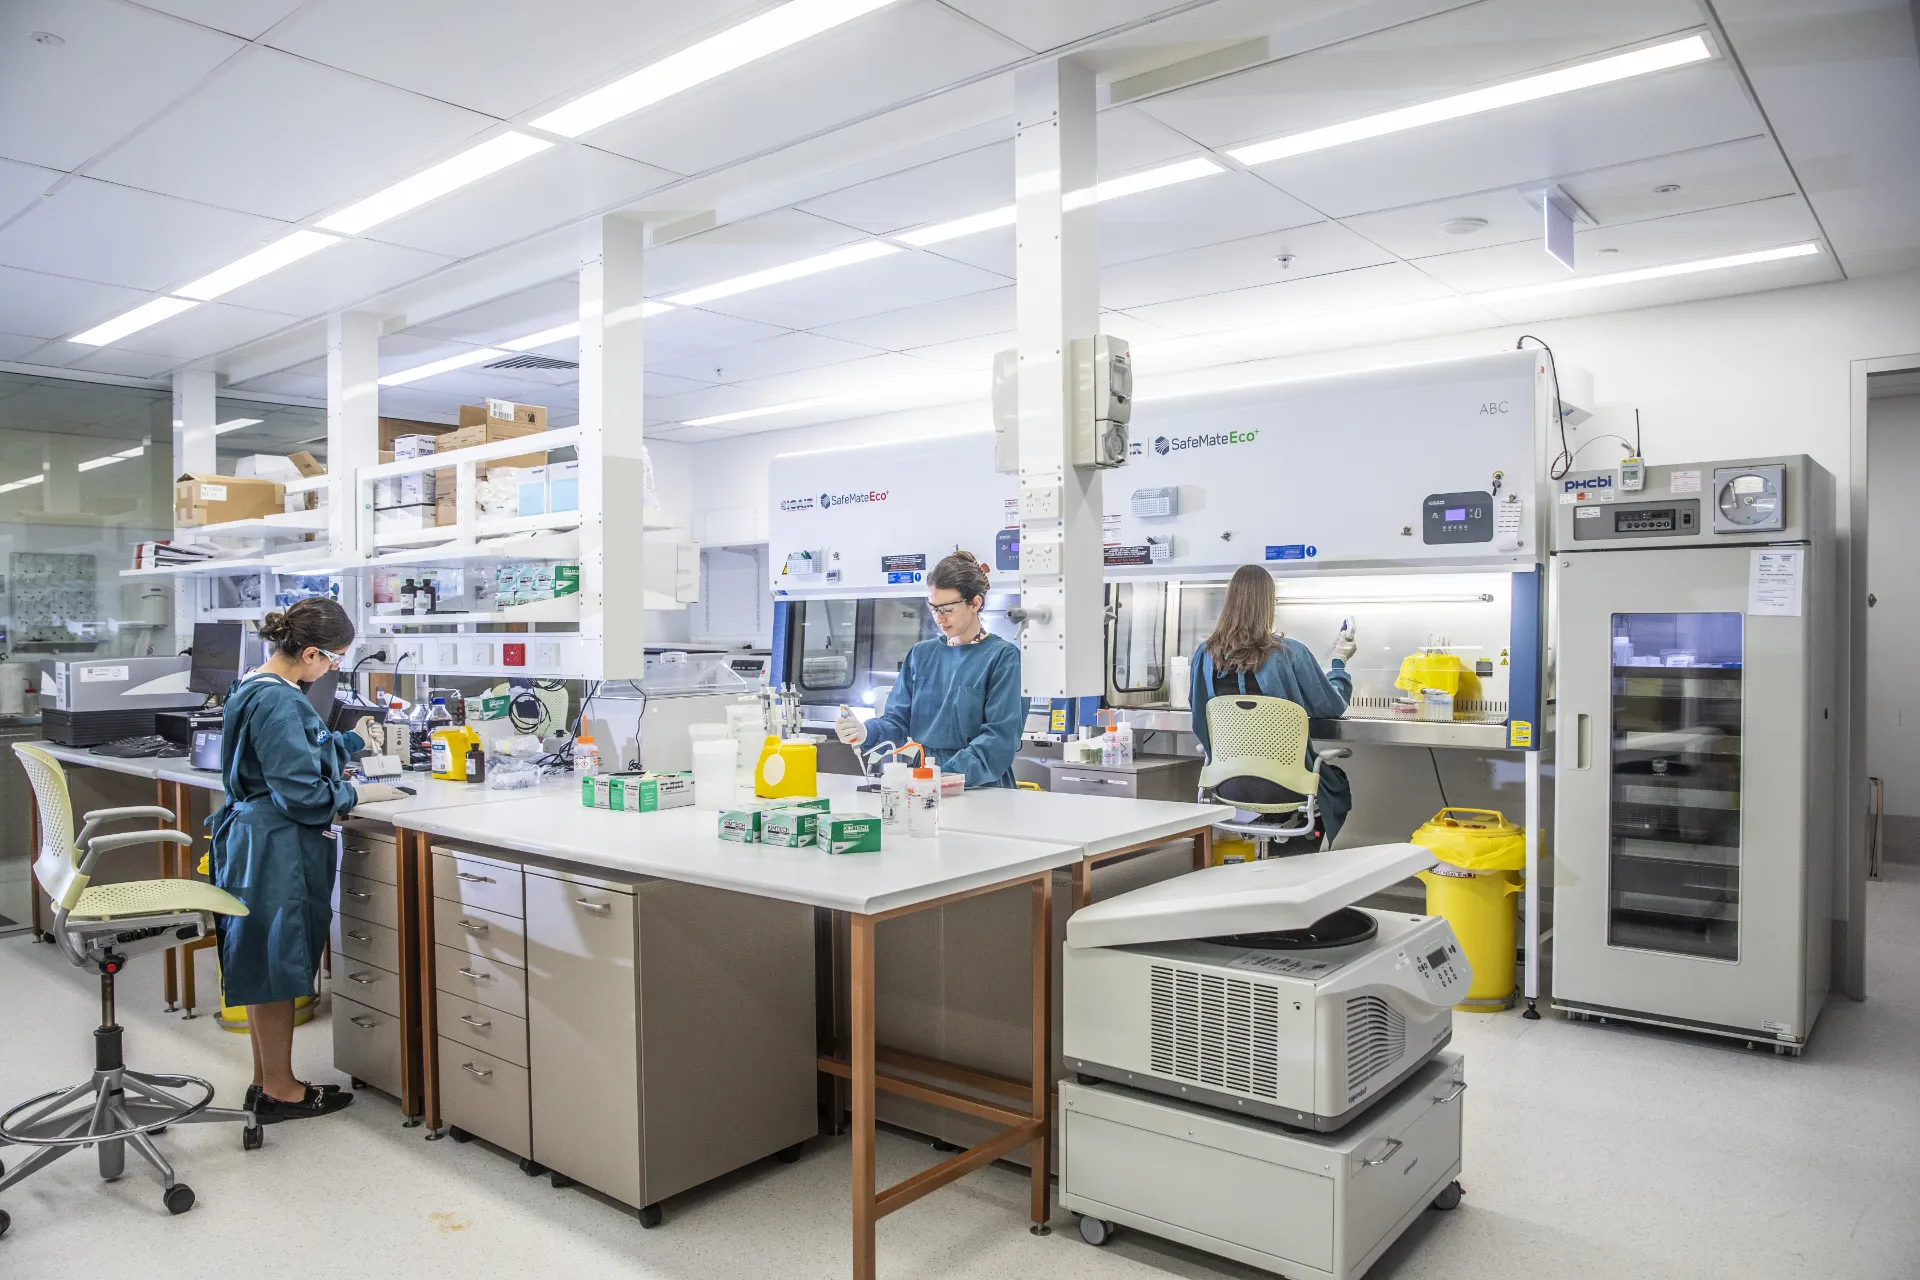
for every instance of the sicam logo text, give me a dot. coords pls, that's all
(1174, 444)
(1591, 482)
(842, 499)
(796, 504)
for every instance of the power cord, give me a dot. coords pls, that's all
(1436, 778)
(1562, 461)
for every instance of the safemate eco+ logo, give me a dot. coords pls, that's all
(842, 499)
(1209, 440)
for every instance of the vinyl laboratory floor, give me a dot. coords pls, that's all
(1590, 1152)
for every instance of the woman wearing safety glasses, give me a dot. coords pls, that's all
(958, 695)
(282, 770)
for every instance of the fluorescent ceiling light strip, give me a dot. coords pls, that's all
(131, 453)
(94, 464)
(865, 251)
(1148, 180)
(447, 365)
(21, 484)
(545, 338)
(715, 56)
(470, 165)
(742, 414)
(147, 313)
(1579, 284)
(1623, 66)
(282, 252)
(234, 424)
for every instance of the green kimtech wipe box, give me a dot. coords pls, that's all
(850, 833)
(790, 828)
(741, 824)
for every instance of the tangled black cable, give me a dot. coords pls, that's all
(1562, 461)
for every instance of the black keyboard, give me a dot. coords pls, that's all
(146, 747)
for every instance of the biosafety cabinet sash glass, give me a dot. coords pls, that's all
(1674, 755)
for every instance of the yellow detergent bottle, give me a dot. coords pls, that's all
(450, 751)
(786, 769)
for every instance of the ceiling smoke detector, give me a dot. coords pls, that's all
(1463, 226)
(47, 38)
(1666, 188)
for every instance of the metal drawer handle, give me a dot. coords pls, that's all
(471, 878)
(359, 937)
(477, 977)
(1459, 1087)
(359, 853)
(1393, 1145)
(604, 908)
(471, 927)
(361, 1020)
(364, 980)
(361, 894)
(480, 1072)
(470, 1020)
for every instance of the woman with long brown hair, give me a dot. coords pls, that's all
(1244, 655)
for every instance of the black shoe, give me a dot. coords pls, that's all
(253, 1093)
(318, 1102)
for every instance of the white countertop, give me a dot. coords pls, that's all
(1098, 824)
(684, 845)
(148, 768)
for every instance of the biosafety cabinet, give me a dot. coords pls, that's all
(1693, 835)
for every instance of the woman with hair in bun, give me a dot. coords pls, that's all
(958, 695)
(282, 769)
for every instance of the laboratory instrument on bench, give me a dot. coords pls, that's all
(1260, 1064)
(1694, 814)
(87, 701)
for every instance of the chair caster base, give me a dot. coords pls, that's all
(651, 1216)
(5, 1222)
(1095, 1231)
(531, 1167)
(790, 1155)
(178, 1198)
(1449, 1197)
(560, 1181)
(252, 1138)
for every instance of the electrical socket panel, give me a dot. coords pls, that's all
(446, 654)
(546, 657)
(1041, 502)
(410, 654)
(1040, 555)
(481, 652)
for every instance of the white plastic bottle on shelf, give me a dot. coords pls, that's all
(893, 794)
(586, 756)
(923, 803)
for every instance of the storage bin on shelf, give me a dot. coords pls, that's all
(1481, 856)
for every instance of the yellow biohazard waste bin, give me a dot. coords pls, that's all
(1481, 856)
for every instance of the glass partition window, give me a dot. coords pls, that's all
(1200, 605)
(1674, 853)
(898, 625)
(1139, 636)
(828, 632)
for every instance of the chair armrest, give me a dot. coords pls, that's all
(127, 840)
(133, 811)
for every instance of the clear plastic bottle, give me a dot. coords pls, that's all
(399, 734)
(893, 794)
(923, 803)
(586, 755)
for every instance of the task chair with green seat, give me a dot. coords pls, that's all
(99, 928)
(1259, 764)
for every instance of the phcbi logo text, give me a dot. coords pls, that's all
(1209, 440)
(842, 499)
(796, 504)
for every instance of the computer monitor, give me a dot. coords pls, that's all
(320, 694)
(218, 657)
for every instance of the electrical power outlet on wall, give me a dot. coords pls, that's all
(446, 654)
(546, 657)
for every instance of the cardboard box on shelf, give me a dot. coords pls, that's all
(306, 464)
(504, 411)
(265, 466)
(444, 510)
(392, 429)
(200, 499)
(414, 490)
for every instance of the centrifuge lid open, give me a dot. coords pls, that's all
(1246, 897)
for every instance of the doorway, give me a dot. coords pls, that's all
(1893, 612)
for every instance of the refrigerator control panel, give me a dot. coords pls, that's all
(1674, 518)
(1755, 500)
(1749, 499)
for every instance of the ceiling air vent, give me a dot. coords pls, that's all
(534, 362)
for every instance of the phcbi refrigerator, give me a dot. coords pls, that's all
(1693, 833)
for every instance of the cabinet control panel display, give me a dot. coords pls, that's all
(1457, 517)
(1444, 969)
(1673, 518)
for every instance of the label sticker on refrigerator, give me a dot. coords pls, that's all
(1777, 1028)
(1520, 733)
(1679, 482)
(1774, 583)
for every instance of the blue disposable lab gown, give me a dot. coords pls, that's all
(1289, 672)
(282, 771)
(962, 703)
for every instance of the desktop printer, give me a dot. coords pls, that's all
(87, 701)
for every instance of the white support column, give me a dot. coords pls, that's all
(612, 472)
(353, 425)
(1058, 292)
(193, 451)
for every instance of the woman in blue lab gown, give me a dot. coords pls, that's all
(282, 770)
(1243, 655)
(959, 695)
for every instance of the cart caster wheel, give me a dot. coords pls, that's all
(791, 1155)
(943, 1147)
(154, 1133)
(5, 1222)
(531, 1167)
(358, 1083)
(1095, 1231)
(252, 1138)
(1449, 1197)
(560, 1181)
(1085, 1080)
(651, 1217)
(179, 1198)
(458, 1134)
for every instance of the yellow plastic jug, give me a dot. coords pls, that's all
(786, 769)
(1442, 671)
(450, 751)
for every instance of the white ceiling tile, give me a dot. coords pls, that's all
(1413, 62)
(61, 104)
(1709, 233)
(881, 284)
(132, 364)
(529, 311)
(287, 384)
(1155, 359)
(993, 251)
(208, 328)
(554, 187)
(1676, 110)
(887, 374)
(1298, 300)
(312, 138)
(21, 185)
(693, 435)
(971, 182)
(115, 235)
(342, 276)
(422, 403)
(244, 18)
(967, 353)
(907, 49)
(948, 320)
(739, 248)
(1047, 26)
(502, 57)
(704, 403)
(661, 384)
(1817, 269)
(782, 354)
(1320, 249)
(689, 331)
(1224, 206)
(15, 346)
(53, 307)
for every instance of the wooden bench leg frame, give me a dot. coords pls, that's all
(1027, 1127)
(1083, 869)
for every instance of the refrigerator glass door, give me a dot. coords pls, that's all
(1674, 766)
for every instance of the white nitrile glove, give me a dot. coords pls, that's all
(369, 730)
(375, 793)
(1343, 644)
(849, 728)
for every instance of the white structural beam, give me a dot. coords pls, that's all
(612, 466)
(353, 425)
(194, 451)
(1058, 300)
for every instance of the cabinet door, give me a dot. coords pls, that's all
(583, 1040)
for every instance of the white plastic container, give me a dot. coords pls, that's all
(1436, 704)
(923, 804)
(715, 761)
(586, 755)
(893, 794)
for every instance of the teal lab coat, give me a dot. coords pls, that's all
(961, 702)
(282, 770)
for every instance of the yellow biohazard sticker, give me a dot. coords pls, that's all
(1519, 733)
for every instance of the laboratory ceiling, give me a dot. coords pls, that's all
(145, 147)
